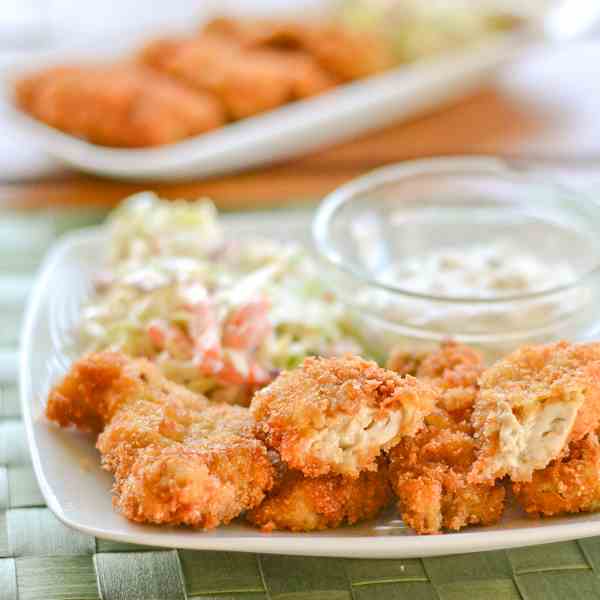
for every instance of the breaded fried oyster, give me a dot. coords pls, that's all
(299, 503)
(175, 458)
(569, 484)
(118, 105)
(246, 82)
(429, 471)
(336, 415)
(454, 368)
(344, 52)
(532, 404)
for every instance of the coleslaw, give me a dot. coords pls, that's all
(415, 29)
(221, 316)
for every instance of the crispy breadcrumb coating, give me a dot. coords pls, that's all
(253, 33)
(348, 54)
(176, 458)
(117, 105)
(216, 471)
(98, 385)
(181, 87)
(569, 484)
(246, 81)
(336, 415)
(405, 362)
(454, 368)
(299, 503)
(345, 53)
(532, 404)
(429, 471)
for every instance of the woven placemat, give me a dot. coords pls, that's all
(41, 559)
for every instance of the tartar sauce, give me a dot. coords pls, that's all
(474, 272)
(477, 272)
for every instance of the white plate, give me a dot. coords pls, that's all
(78, 491)
(287, 131)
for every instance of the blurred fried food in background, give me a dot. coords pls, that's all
(118, 105)
(182, 86)
(345, 53)
(246, 82)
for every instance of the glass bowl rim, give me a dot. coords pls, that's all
(482, 164)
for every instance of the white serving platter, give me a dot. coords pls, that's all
(78, 492)
(291, 130)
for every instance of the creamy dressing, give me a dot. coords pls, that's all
(173, 279)
(474, 272)
(477, 272)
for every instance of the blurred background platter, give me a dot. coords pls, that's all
(434, 75)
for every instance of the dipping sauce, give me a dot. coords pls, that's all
(470, 274)
(477, 272)
(472, 249)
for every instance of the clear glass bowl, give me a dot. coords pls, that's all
(379, 235)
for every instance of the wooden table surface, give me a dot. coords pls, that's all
(542, 108)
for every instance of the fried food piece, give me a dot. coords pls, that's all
(257, 33)
(429, 472)
(336, 415)
(300, 503)
(454, 368)
(287, 39)
(405, 362)
(348, 54)
(99, 385)
(345, 53)
(246, 82)
(118, 105)
(532, 404)
(306, 77)
(569, 484)
(176, 459)
(206, 472)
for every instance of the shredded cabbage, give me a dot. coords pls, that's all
(220, 316)
(416, 29)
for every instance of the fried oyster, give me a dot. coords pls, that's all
(176, 459)
(569, 484)
(117, 105)
(336, 415)
(531, 405)
(300, 503)
(429, 471)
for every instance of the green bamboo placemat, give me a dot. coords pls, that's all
(41, 559)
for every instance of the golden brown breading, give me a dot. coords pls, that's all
(259, 33)
(348, 54)
(532, 404)
(300, 503)
(176, 459)
(246, 82)
(336, 415)
(345, 53)
(98, 385)
(454, 368)
(207, 473)
(405, 362)
(429, 471)
(307, 78)
(569, 484)
(117, 105)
